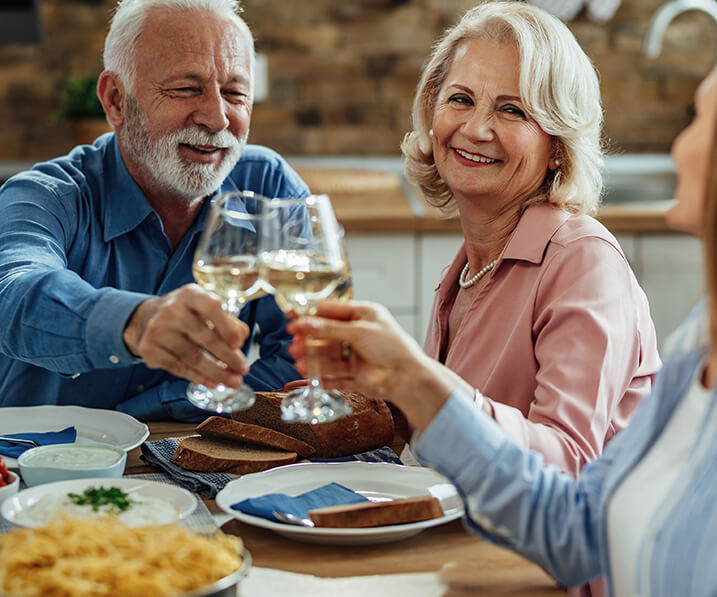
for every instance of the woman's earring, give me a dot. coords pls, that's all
(555, 164)
(430, 133)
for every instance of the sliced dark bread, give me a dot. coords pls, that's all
(211, 455)
(375, 514)
(223, 428)
(370, 426)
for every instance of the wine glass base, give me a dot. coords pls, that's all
(220, 399)
(314, 405)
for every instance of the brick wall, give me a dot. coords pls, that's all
(342, 74)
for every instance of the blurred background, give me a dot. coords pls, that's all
(340, 75)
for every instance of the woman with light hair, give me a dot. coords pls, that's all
(539, 309)
(643, 513)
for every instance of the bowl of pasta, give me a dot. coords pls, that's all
(102, 556)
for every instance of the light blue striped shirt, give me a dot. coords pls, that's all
(560, 523)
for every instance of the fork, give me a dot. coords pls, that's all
(17, 440)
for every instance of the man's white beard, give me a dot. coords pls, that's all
(160, 158)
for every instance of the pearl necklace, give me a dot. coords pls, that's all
(482, 272)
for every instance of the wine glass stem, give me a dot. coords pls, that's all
(313, 363)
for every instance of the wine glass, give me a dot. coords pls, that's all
(302, 263)
(344, 291)
(226, 264)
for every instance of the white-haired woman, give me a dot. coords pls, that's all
(539, 309)
(643, 514)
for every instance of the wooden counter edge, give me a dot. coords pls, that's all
(619, 219)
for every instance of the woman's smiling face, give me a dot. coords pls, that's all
(485, 146)
(692, 152)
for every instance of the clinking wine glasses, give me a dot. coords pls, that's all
(226, 264)
(302, 263)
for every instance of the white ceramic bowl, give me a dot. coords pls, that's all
(8, 490)
(61, 462)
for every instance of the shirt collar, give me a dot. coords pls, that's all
(532, 235)
(125, 205)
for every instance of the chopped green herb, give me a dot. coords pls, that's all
(96, 497)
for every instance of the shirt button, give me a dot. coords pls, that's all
(140, 389)
(114, 359)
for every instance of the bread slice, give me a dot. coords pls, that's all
(223, 428)
(210, 455)
(370, 426)
(376, 514)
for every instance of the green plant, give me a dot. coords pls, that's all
(78, 98)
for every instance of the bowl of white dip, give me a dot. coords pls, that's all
(60, 462)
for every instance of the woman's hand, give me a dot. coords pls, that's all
(360, 346)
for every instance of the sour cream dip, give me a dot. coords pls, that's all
(72, 456)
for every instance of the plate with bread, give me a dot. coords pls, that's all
(380, 482)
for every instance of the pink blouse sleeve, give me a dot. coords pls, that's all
(589, 318)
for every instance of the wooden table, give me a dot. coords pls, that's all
(490, 570)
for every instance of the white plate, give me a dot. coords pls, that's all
(94, 425)
(377, 481)
(182, 500)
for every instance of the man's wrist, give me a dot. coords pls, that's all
(132, 333)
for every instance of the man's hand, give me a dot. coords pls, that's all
(187, 333)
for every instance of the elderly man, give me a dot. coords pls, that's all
(96, 247)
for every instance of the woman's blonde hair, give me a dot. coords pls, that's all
(559, 89)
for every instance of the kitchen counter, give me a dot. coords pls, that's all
(371, 195)
(381, 201)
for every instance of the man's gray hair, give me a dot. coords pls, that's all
(128, 22)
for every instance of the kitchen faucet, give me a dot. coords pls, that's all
(664, 16)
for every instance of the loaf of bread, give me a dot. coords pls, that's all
(370, 426)
(210, 455)
(375, 514)
(228, 429)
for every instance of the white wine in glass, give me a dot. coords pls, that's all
(303, 262)
(226, 264)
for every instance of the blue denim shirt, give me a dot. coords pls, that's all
(80, 248)
(560, 523)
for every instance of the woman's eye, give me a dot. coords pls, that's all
(513, 110)
(460, 98)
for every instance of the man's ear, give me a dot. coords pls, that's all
(110, 92)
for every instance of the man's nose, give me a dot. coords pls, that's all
(211, 111)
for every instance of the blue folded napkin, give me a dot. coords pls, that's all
(332, 494)
(66, 436)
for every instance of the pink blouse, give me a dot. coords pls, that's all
(560, 336)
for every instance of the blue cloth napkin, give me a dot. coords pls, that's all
(159, 454)
(332, 494)
(66, 436)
